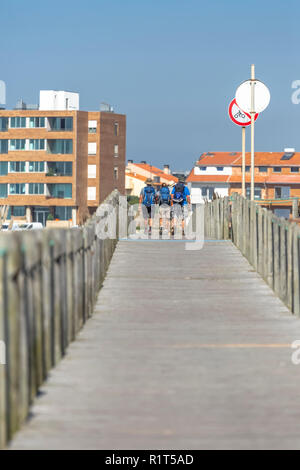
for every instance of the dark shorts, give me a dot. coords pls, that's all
(146, 211)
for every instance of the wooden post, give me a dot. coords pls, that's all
(276, 229)
(270, 248)
(243, 160)
(266, 244)
(295, 211)
(283, 259)
(296, 254)
(11, 263)
(226, 217)
(3, 367)
(290, 256)
(261, 246)
(252, 112)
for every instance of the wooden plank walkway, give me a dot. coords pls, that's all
(186, 350)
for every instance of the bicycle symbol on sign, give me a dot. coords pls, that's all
(239, 114)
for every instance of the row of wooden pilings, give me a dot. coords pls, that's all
(270, 243)
(49, 281)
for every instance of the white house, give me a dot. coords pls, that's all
(211, 174)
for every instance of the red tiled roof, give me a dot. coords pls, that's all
(261, 159)
(273, 179)
(134, 175)
(238, 179)
(192, 178)
(218, 158)
(282, 179)
(156, 171)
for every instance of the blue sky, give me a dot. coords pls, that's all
(172, 66)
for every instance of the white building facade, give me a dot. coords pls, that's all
(211, 175)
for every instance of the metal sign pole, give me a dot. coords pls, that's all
(252, 112)
(243, 160)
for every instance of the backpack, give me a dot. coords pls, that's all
(179, 196)
(164, 195)
(149, 193)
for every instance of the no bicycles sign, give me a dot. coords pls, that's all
(239, 117)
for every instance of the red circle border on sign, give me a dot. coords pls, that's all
(234, 120)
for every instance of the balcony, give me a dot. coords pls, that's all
(57, 124)
(59, 191)
(59, 169)
(60, 146)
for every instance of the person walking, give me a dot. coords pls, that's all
(164, 201)
(180, 199)
(146, 202)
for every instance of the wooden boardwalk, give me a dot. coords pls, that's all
(186, 350)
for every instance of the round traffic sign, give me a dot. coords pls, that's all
(239, 117)
(261, 96)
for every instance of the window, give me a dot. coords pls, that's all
(17, 167)
(207, 192)
(116, 150)
(156, 179)
(3, 168)
(295, 169)
(3, 124)
(18, 211)
(220, 168)
(116, 129)
(92, 169)
(60, 169)
(61, 124)
(36, 122)
(17, 189)
(92, 127)
(91, 193)
(263, 169)
(282, 213)
(92, 148)
(60, 146)
(116, 174)
(63, 191)
(3, 146)
(204, 191)
(36, 167)
(3, 190)
(282, 192)
(203, 168)
(257, 192)
(17, 122)
(277, 169)
(36, 188)
(36, 144)
(63, 213)
(17, 144)
(247, 168)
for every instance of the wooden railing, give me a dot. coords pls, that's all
(270, 243)
(49, 281)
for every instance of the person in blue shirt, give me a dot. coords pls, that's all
(146, 203)
(180, 199)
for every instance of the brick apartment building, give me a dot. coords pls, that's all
(57, 160)
(277, 177)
